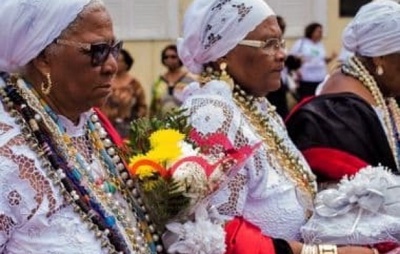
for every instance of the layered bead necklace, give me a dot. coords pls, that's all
(93, 199)
(389, 107)
(290, 162)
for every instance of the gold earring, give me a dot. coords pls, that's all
(225, 76)
(206, 76)
(46, 86)
(379, 70)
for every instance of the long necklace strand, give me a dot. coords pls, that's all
(69, 178)
(389, 107)
(289, 162)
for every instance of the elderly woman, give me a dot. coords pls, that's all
(355, 120)
(237, 48)
(63, 186)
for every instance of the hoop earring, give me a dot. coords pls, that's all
(225, 76)
(46, 86)
(379, 70)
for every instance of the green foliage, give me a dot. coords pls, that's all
(164, 201)
(142, 128)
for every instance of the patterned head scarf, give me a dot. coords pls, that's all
(28, 26)
(375, 30)
(213, 27)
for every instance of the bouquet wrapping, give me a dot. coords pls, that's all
(362, 210)
(177, 170)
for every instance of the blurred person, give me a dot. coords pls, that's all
(311, 51)
(167, 89)
(127, 100)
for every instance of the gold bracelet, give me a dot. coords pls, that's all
(309, 249)
(327, 249)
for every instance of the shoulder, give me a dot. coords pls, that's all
(339, 83)
(344, 104)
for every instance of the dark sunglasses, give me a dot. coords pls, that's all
(98, 52)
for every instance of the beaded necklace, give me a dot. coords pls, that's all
(68, 169)
(389, 107)
(289, 162)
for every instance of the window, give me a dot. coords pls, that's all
(299, 13)
(350, 8)
(144, 19)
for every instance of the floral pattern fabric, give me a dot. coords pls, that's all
(261, 191)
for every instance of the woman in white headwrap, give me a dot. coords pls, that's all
(355, 121)
(63, 186)
(236, 47)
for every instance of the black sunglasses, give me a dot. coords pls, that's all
(98, 52)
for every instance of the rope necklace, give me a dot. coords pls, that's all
(68, 169)
(389, 107)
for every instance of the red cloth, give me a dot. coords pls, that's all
(116, 138)
(245, 238)
(332, 164)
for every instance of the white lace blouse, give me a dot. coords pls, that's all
(260, 192)
(34, 218)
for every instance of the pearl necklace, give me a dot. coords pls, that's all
(289, 162)
(389, 107)
(42, 133)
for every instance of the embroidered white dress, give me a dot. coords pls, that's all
(34, 217)
(261, 192)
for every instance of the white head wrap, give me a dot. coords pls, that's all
(375, 30)
(28, 26)
(213, 27)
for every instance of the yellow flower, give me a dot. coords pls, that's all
(166, 137)
(142, 171)
(165, 144)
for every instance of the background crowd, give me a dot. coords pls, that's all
(69, 96)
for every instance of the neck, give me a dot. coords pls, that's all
(72, 115)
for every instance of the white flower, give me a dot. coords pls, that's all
(201, 236)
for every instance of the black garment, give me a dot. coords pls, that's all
(306, 89)
(342, 121)
(278, 99)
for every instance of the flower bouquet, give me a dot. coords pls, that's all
(177, 170)
(362, 210)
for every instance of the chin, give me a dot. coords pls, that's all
(273, 86)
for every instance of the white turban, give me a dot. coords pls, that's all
(211, 28)
(28, 26)
(375, 30)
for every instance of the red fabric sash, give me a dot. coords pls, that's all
(116, 138)
(332, 164)
(245, 238)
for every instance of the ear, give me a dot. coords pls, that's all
(378, 61)
(42, 63)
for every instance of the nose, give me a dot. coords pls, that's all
(110, 66)
(281, 53)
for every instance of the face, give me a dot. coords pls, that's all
(78, 85)
(255, 70)
(317, 34)
(171, 60)
(390, 79)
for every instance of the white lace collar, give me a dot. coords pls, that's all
(72, 129)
